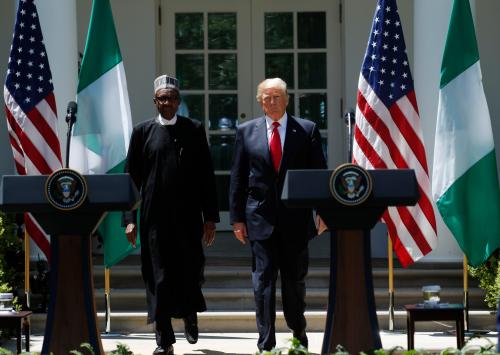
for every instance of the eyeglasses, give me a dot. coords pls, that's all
(165, 98)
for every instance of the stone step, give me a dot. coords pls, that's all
(241, 299)
(222, 322)
(129, 276)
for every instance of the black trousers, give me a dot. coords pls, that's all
(164, 332)
(268, 257)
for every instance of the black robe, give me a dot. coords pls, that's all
(172, 167)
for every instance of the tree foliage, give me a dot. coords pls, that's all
(488, 275)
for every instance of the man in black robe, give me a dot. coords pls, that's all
(170, 163)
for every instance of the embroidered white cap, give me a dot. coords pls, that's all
(166, 82)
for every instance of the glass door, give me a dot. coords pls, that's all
(207, 46)
(221, 49)
(299, 41)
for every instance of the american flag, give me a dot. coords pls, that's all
(387, 133)
(30, 108)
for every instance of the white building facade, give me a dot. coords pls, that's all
(221, 49)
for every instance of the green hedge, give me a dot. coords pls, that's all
(488, 275)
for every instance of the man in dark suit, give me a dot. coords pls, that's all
(169, 161)
(265, 149)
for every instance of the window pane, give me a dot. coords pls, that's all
(189, 71)
(222, 185)
(222, 31)
(193, 106)
(189, 31)
(223, 109)
(281, 66)
(313, 107)
(278, 30)
(312, 70)
(311, 29)
(222, 72)
(222, 151)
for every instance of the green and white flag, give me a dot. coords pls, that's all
(464, 180)
(102, 132)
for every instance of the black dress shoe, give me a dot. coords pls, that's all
(191, 328)
(302, 337)
(168, 350)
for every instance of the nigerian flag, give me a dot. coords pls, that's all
(102, 132)
(464, 180)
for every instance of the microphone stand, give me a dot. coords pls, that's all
(349, 119)
(70, 120)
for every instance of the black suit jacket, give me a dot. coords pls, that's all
(255, 188)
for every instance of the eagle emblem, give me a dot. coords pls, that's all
(66, 189)
(350, 184)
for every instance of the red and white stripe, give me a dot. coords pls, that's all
(391, 138)
(35, 147)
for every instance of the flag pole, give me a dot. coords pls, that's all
(466, 292)
(391, 283)
(27, 269)
(107, 299)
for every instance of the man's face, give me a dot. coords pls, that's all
(167, 102)
(274, 102)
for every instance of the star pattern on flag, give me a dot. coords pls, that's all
(385, 65)
(28, 74)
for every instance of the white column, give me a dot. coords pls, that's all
(59, 28)
(430, 29)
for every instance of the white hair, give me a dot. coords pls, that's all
(275, 83)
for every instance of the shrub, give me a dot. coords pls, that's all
(488, 275)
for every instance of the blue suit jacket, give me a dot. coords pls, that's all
(255, 188)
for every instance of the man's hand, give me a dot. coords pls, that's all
(320, 225)
(131, 233)
(240, 231)
(209, 233)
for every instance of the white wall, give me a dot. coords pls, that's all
(63, 56)
(487, 30)
(431, 26)
(424, 22)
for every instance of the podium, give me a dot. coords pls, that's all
(351, 315)
(71, 318)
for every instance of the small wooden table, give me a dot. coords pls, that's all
(446, 311)
(16, 321)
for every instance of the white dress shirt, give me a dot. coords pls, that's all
(281, 129)
(165, 122)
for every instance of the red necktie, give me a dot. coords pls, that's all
(275, 147)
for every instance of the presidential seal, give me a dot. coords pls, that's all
(66, 189)
(350, 184)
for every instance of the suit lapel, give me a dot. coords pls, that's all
(260, 134)
(290, 140)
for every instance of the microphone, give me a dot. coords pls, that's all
(71, 112)
(70, 120)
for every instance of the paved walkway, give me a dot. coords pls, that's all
(245, 343)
